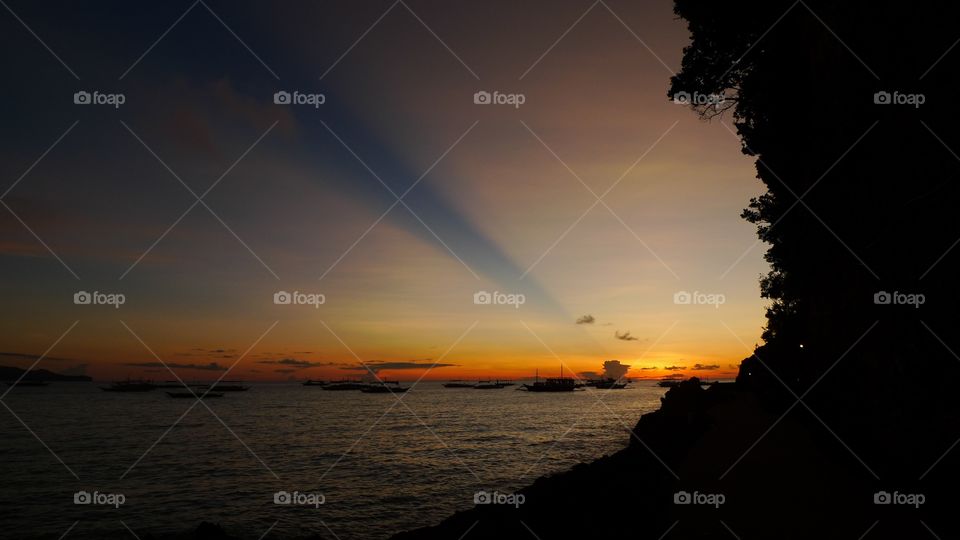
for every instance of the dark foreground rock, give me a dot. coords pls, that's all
(766, 473)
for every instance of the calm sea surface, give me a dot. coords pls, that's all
(380, 465)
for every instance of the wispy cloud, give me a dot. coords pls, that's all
(212, 366)
(625, 336)
(675, 368)
(705, 367)
(377, 366)
(297, 363)
(586, 319)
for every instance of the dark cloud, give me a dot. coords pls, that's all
(613, 369)
(212, 366)
(624, 336)
(586, 319)
(284, 371)
(648, 368)
(33, 357)
(297, 363)
(675, 368)
(705, 367)
(377, 366)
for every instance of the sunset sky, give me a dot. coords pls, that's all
(304, 203)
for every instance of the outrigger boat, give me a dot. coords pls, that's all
(345, 385)
(311, 382)
(202, 395)
(384, 387)
(130, 386)
(459, 384)
(555, 384)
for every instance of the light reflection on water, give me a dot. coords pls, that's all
(381, 469)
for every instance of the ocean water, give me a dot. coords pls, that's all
(381, 466)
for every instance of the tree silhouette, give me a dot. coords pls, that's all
(862, 189)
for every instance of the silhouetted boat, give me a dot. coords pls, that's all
(668, 383)
(311, 382)
(384, 387)
(607, 384)
(344, 385)
(555, 384)
(459, 384)
(487, 385)
(130, 386)
(224, 387)
(28, 383)
(184, 395)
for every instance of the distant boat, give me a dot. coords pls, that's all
(224, 387)
(668, 383)
(184, 395)
(555, 384)
(130, 386)
(459, 384)
(487, 385)
(28, 383)
(384, 387)
(344, 385)
(607, 384)
(311, 382)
